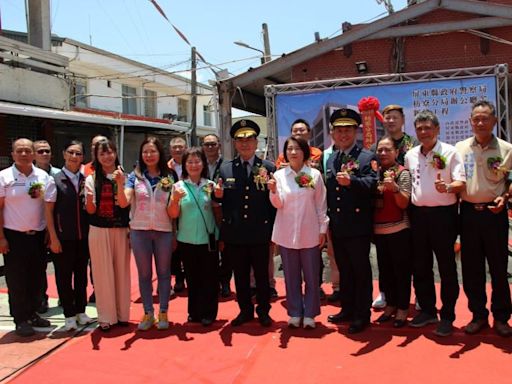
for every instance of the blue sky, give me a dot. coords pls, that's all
(135, 29)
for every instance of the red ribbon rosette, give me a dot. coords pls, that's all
(369, 110)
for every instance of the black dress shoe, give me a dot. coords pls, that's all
(476, 326)
(37, 321)
(502, 328)
(273, 293)
(384, 318)
(265, 320)
(241, 319)
(357, 326)
(340, 317)
(399, 323)
(207, 322)
(24, 329)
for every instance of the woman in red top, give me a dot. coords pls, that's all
(392, 233)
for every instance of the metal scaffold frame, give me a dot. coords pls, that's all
(500, 71)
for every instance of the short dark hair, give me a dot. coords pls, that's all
(69, 143)
(211, 134)
(484, 104)
(389, 138)
(162, 163)
(198, 152)
(300, 121)
(426, 115)
(303, 145)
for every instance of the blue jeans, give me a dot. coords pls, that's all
(145, 244)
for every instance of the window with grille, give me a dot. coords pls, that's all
(182, 110)
(129, 100)
(149, 103)
(207, 116)
(78, 94)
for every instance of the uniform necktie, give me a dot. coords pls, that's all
(246, 169)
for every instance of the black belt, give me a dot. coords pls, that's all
(432, 209)
(478, 206)
(28, 233)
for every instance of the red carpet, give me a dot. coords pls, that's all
(252, 354)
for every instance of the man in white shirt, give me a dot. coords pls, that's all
(437, 176)
(22, 232)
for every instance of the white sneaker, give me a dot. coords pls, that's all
(83, 319)
(309, 323)
(380, 301)
(294, 322)
(70, 324)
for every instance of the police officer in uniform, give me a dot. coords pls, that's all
(248, 218)
(351, 175)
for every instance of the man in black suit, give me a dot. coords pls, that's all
(248, 218)
(351, 175)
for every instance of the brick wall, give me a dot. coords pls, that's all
(422, 53)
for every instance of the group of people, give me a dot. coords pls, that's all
(202, 218)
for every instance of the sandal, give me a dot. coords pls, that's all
(104, 327)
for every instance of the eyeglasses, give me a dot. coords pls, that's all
(74, 153)
(210, 145)
(42, 151)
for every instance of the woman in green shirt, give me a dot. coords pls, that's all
(191, 202)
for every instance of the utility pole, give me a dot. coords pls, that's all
(193, 86)
(266, 43)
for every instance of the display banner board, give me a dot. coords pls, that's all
(449, 99)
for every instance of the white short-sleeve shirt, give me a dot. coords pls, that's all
(424, 174)
(22, 212)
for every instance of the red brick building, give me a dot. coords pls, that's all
(431, 35)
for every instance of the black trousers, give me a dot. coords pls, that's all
(484, 235)
(24, 264)
(352, 255)
(226, 270)
(434, 229)
(202, 273)
(177, 264)
(43, 296)
(242, 258)
(71, 275)
(394, 256)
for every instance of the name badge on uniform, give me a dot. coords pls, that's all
(230, 183)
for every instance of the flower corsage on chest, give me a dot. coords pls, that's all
(261, 177)
(36, 190)
(438, 161)
(495, 165)
(304, 180)
(349, 164)
(165, 184)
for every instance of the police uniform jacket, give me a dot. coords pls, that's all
(248, 215)
(349, 208)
